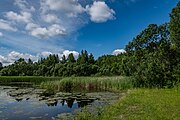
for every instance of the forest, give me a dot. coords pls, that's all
(152, 58)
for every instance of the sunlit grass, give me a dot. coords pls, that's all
(141, 104)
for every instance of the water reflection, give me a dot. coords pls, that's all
(48, 98)
(69, 102)
(18, 99)
(25, 103)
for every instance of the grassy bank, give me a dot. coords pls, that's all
(89, 84)
(141, 104)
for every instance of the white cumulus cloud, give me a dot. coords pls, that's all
(100, 12)
(45, 54)
(14, 56)
(23, 17)
(31, 26)
(70, 7)
(118, 51)
(4, 60)
(5, 25)
(60, 54)
(45, 32)
(67, 52)
(50, 18)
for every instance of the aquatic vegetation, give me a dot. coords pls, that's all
(24, 103)
(89, 84)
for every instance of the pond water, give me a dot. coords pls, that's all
(27, 103)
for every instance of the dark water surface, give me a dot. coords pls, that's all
(25, 104)
(18, 102)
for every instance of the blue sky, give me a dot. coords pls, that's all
(37, 28)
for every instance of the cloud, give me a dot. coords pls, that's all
(31, 26)
(24, 17)
(45, 54)
(70, 7)
(45, 32)
(67, 52)
(24, 5)
(4, 60)
(67, 13)
(100, 12)
(16, 55)
(55, 17)
(1, 34)
(5, 25)
(118, 51)
(50, 18)
(13, 56)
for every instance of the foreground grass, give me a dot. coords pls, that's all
(141, 104)
(89, 84)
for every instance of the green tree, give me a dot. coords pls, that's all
(30, 61)
(63, 59)
(71, 58)
(91, 59)
(175, 25)
(83, 57)
(1, 66)
(175, 38)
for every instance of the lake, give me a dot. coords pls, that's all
(18, 102)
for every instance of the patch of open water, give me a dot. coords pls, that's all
(30, 103)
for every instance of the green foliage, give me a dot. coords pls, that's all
(1, 66)
(91, 59)
(175, 25)
(150, 58)
(71, 58)
(53, 66)
(109, 65)
(145, 40)
(175, 38)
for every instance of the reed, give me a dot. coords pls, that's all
(89, 84)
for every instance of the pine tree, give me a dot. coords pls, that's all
(1, 66)
(63, 59)
(91, 59)
(71, 58)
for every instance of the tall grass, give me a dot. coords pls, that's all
(70, 84)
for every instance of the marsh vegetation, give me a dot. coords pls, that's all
(56, 98)
(89, 84)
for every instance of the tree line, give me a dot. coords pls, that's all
(152, 58)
